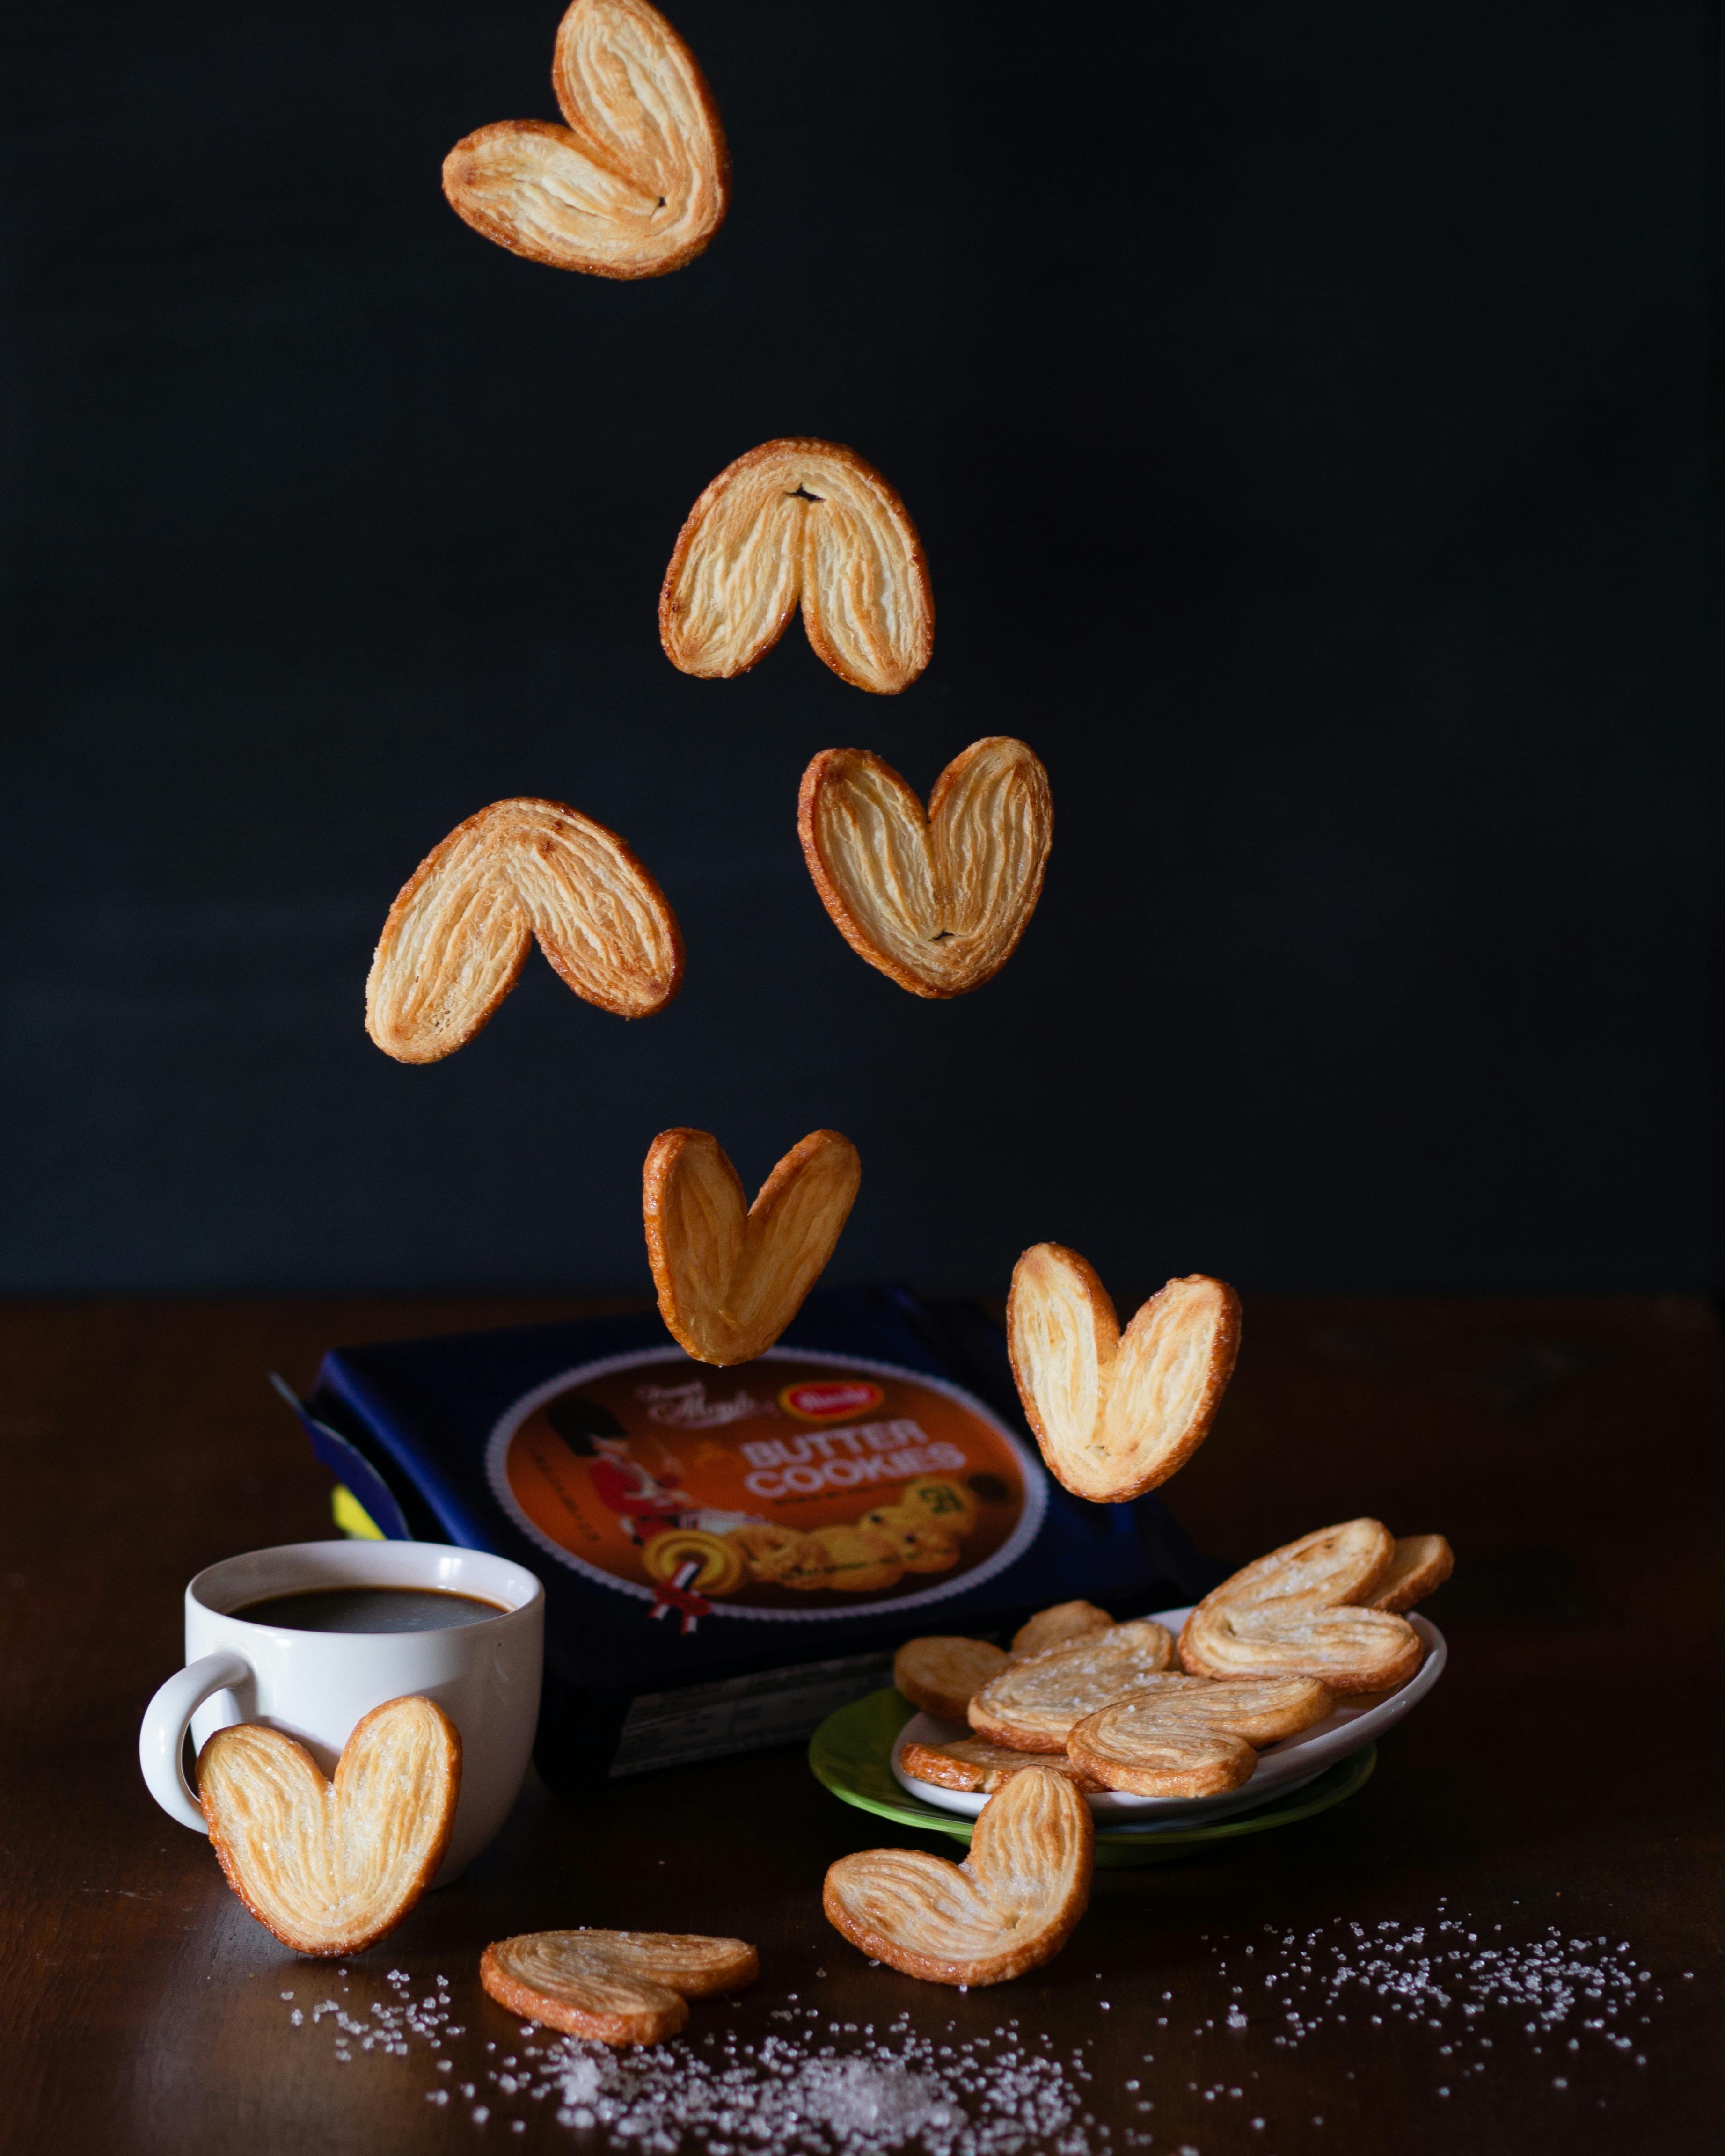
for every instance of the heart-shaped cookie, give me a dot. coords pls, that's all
(614, 1987)
(1034, 1705)
(799, 520)
(1187, 1736)
(936, 902)
(1009, 1907)
(460, 928)
(730, 1277)
(330, 1866)
(638, 181)
(1302, 1610)
(1116, 1413)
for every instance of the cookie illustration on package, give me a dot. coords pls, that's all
(790, 1487)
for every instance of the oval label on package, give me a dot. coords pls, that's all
(799, 1486)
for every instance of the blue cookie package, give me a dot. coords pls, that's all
(729, 1554)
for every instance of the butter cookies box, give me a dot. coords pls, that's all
(729, 1554)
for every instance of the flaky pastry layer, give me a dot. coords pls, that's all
(637, 181)
(801, 521)
(1008, 1907)
(936, 902)
(971, 1762)
(1188, 1737)
(731, 1277)
(1116, 1413)
(455, 939)
(331, 1866)
(614, 1987)
(1034, 1705)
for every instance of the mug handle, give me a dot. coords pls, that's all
(161, 1741)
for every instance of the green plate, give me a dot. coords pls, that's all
(851, 1753)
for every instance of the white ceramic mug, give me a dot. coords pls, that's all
(316, 1685)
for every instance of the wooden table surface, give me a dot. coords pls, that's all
(1565, 1773)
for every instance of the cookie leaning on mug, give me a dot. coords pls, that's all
(1116, 1413)
(614, 1987)
(458, 933)
(1303, 1610)
(1009, 1907)
(330, 1867)
(638, 181)
(731, 1277)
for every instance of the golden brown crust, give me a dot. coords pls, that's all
(1421, 1563)
(456, 937)
(798, 518)
(1060, 1626)
(331, 1866)
(637, 182)
(1116, 1413)
(1297, 1611)
(938, 901)
(731, 1280)
(1008, 1907)
(942, 1675)
(1034, 1705)
(614, 1987)
(1187, 1737)
(972, 1763)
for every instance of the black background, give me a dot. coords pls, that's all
(1304, 409)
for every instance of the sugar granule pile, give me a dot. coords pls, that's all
(1466, 1996)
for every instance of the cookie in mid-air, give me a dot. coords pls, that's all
(1116, 1413)
(800, 522)
(936, 901)
(1305, 1610)
(1009, 1907)
(638, 179)
(614, 1987)
(731, 1276)
(331, 1866)
(461, 928)
(1034, 1705)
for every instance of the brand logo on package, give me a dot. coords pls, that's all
(796, 1488)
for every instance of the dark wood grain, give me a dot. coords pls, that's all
(1568, 1770)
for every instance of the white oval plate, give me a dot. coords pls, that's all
(1280, 1766)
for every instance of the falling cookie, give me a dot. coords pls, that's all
(1033, 1706)
(936, 901)
(614, 1987)
(1008, 1907)
(1304, 1610)
(799, 521)
(460, 931)
(638, 180)
(731, 1278)
(1116, 1413)
(942, 1675)
(330, 1866)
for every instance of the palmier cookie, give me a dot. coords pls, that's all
(799, 521)
(1060, 1626)
(639, 181)
(1008, 1907)
(330, 1867)
(612, 1987)
(942, 1674)
(1033, 1706)
(1116, 1413)
(1187, 1736)
(1296, 1613)
(731, 1276)
(1420, 1562)
(459, 931)
(971, 1762)
(936, 902)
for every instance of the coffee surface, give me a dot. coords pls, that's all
(369, 1610)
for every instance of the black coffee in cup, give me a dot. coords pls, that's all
(368, 1609)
